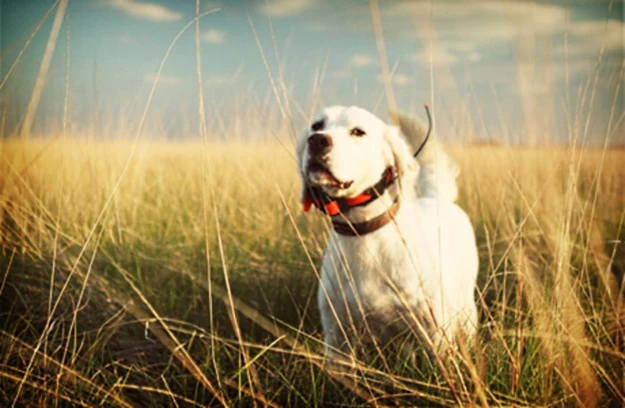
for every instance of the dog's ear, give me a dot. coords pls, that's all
(401, 153)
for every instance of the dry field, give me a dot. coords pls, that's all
(184, 274)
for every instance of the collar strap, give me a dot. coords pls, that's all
(363, 228)
(335, 205)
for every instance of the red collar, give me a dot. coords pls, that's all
(335, 205)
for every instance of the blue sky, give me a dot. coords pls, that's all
(499, 69)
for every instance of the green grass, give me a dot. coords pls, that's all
(195, 283)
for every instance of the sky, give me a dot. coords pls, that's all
(514, 71)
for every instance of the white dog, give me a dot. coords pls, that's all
(401, 255)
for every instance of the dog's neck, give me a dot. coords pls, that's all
(370, 210)
(366, 219)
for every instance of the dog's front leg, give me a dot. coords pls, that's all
(338, 334)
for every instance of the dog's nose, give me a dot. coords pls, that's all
(319, 143)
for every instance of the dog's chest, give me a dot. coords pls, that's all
(377, 272)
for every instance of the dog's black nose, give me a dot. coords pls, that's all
(319, 143)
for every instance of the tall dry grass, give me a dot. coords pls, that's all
(196, 286)
(150, 273)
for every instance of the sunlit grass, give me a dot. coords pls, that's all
(141, 274)
(185, 273)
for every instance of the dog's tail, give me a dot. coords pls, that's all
(438, 172)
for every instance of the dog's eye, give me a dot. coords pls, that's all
(357, 132)
(318, 125)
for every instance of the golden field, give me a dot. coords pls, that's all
(185, 273)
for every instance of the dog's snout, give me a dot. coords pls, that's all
(319, 143)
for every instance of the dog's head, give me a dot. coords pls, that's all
(345, 150)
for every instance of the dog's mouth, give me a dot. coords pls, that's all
(319, 175)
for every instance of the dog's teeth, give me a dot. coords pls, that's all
(345, 184)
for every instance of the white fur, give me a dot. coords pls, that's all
(422, 267)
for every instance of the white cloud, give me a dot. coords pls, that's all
(483, 21)
(439, 57)
(474, 56)
(362, 60)
(465, 26)
(594, 34)
(469, 31)
(213, 78)
(540, 14)
(218, 79)
(459, 46)
(284, 8)
(211, 5)
(317, 26)
(341, 73)
(398, 79)
(442, 57)
(163, 79)
(214, 36)
(148, 11)
(127, 39)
